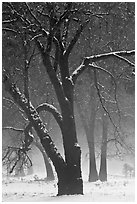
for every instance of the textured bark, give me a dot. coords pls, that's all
(73, 177)
(103, 163)
(72, 153)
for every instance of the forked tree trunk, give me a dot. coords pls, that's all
(89, 130)
(93, 174)
(69, 172)
(103, 163)
(72, 180)
(50, 174)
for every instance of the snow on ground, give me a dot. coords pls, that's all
(29, 189)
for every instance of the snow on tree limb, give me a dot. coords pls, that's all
(52, 110)
(88, 60)
(12, 128)
(11, 30)
(35, 120)
(27, 130)
(116, 54)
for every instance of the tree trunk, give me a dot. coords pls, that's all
(89, 130)
(73, 177)
(50, 174)
(69, 171)
(93, 174)
(103, 163)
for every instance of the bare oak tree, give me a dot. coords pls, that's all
(48, 26)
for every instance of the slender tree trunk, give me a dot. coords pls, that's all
(93, 174)
(50, 174)
(89, 130)
(103, 163)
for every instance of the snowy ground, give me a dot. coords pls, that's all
(28, 189)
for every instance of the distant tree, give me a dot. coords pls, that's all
(54, 28)
(87, 105)
(107, 87)
(128, 170)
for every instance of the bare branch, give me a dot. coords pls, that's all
(95, 66)
(20, 110)
(76, 37)
(32, 55)
(32, 14)
(44, 14)
(16, 157)
(123, 145)
(102, 102)
(9, 21)
(126, 60)
(11, 30)
(65, 15)
(52, 74)
(18, 15)
(117, 54)
(35, 37)
(89, 61)
(57, 53)
(14, 129)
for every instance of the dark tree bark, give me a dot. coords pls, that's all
(103, 163)
(71, 148)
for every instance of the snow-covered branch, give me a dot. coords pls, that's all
(13, 128)
(52, 110)
(117, 54)
(34, 119)
(11, 30)
(89, 61)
